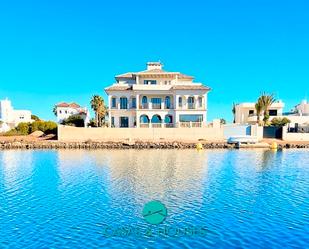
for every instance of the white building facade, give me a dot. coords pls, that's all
(10, 117)
(245, 113)
(156, 98)
(65, 110)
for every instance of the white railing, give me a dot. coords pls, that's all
(144, 125)
(190, 124)
(156, 125)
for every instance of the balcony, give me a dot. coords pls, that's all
(156, 106)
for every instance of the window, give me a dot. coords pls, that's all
(144, 102)
(191, 118)
(251, 112)
(113, 102)
(150, 82)
(113, 121)
(273, 112)
(191, 103)
(123, 103)
(156, 103)
(167, 102)
(133, 102)
(180, 101)
(200, 101)
(124, 122)
(60, 111)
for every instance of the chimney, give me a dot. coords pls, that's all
(154, 65)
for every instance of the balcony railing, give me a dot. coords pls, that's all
(191, 106)
(156, 106)
(190, 124)
(156, 125)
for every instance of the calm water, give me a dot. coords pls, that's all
(94, 199)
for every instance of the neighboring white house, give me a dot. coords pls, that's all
(245, 113)
(156, 98)
(65, 110)
(10, 118)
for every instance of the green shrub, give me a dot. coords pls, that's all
(74, 120)
(35, 117)
(48, 127)
(279, 122)
(23, 128)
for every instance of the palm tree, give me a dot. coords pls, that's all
(258, 108)
(55, 110)
(234, 112)
(266, 101)
(97, 104)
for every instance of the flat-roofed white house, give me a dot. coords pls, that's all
(156, 98)
(10, 117)
(245, 113)
(65, 110)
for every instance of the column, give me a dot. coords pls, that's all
(163, 102)
(137, 120)
(137, 101)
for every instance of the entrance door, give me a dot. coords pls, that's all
(124, 122)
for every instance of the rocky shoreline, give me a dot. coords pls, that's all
(5, 145)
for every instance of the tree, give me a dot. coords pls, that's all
(258, 108)
(266, 100)
(74, 120)
(98, 106)
(234, 112)
(222, 121)
(35, 117)
(55, 110)
(279, 122)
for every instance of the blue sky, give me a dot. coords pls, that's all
(52, 51)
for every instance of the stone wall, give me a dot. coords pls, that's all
(68, 133)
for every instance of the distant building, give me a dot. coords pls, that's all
(245, 113)
(156, 98)
(10, 118)
(302, 109)
(65, 110)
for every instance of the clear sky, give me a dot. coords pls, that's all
(52, 51)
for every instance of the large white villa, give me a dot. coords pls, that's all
(156, 98)
(245, 113)
(10, 117)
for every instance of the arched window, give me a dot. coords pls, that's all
(156, 119)
(144, 102)
(180, 101)
(168, 102)
(168, 119)
(144, 119)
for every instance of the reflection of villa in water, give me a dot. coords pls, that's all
(156, 98)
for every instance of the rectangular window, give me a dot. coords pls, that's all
(123, 103)
(191, 118)
(156, 103)
(124, 122)
(191, 103)
(113, 121)
(251, 112)
(133, 102)
(273, 112)
(150, 82)
(113, 102)
(200, 102)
